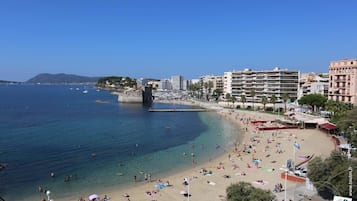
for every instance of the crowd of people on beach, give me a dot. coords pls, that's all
(278, 188)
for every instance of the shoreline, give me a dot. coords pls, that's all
(232, 163)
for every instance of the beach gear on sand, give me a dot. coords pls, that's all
(184, 193)
(160, 186)
(94, 197)
(268, 169)
(260, 182)
(211, 183)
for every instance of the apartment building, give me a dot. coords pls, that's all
(165, 84)
(343, 81)
(313, 83)
(177, 82)
(264, 83)
(216, 82)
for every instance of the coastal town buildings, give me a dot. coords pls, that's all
(343, 81)
(142, 82)
(177, 82)
(211, 83)
(256, 84)
(165, 84)
(313, 83)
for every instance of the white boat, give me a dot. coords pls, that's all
(85, 91)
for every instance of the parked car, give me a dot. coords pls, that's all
(301, 172)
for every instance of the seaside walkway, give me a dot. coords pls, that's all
(182, 110)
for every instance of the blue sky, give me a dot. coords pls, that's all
(160, 38)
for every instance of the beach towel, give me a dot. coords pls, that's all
(211, 183)
(268, 169)
(262, 182)
(160, 186)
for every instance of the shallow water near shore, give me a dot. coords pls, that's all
(101, 145)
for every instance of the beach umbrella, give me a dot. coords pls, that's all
(93, 197)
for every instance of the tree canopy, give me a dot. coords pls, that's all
(331, 176)
(228, 96)
(117, 81)
(244, 191)
(347, 124)
(313, 100)
(338, 109)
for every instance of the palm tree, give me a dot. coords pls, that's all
(285, 98)
(210, 86)
(243, 99)
(233, 99)
(252, 93)
(264, 101)
(228, 97)
(217, 93)
(273, 101)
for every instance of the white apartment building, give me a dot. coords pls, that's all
(343, 81)
(264, 83)
(313, 83)
(165, 84)
(177, 82)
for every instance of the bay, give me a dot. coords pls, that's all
(99, 145)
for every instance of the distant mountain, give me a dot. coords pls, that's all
(61, 78)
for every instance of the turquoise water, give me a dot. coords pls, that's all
(58, 129)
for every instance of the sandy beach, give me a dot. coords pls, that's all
(210, 180)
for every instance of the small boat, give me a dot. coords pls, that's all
(85, 91)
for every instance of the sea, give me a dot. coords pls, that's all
(95, 142)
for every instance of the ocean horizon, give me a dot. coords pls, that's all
(97, 145)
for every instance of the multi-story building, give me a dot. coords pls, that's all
(213, 83)
(343, 81)
(142, 82)
(262, 83)
(165, 84)
(313, 83)
(218, 83)
(177, 82)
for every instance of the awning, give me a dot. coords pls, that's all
(328, 126)
(317, 121)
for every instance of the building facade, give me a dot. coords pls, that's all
(343, 81)
(313, 83)
(213, 83)
(261, 83)
(165, 84)
(177, 82)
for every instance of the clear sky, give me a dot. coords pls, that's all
(160, 38)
